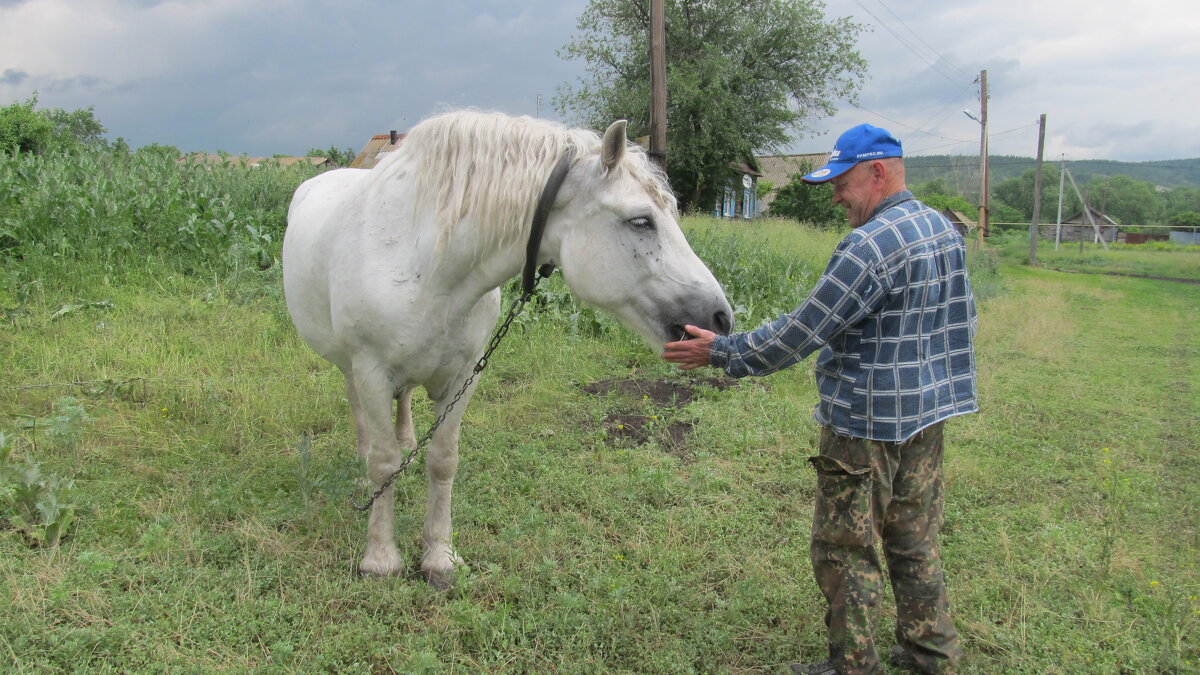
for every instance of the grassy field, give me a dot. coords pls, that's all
(1155, 259)
(212, 464)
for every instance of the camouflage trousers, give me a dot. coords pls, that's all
(869, 492)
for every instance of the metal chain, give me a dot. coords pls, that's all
(497, 336)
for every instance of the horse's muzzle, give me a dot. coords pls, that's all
(721, 323)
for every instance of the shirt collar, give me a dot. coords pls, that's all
(890, 201)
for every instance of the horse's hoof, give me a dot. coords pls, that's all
(376, 574)
(440, 580)
(380, 567)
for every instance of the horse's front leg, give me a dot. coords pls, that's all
(356, 412)
(441, 464)
(374, 394)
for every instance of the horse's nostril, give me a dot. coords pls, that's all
(721, 321)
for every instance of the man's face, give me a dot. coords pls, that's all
(857, 191)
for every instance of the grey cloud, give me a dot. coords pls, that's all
(13, 77)
(70, 84)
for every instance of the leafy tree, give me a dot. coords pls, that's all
(999, 212)
(78, 128)
(741, 75)
(808, 203)
(23, 129)
(1017, 193)
(937, 186)
(953, 202)
(339, 157)
(1128, 201)
(1179, 200)
(1186, 219)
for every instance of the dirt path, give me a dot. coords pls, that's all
(1129, 274)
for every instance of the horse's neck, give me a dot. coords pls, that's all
(469, 262)
(473, 270)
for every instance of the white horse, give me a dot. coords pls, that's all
(393, 275)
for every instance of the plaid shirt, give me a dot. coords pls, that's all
(894, 317)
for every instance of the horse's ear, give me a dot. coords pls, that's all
(613, 146)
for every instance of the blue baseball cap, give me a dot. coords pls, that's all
(859, 144)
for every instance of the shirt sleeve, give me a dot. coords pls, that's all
(849, 289)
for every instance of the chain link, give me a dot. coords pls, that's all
(497, 336)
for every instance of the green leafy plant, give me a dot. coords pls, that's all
(65, 427)
(35, 504)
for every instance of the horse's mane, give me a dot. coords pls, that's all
(490, 168)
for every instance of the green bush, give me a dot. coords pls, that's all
(23, 129)
(808, 203)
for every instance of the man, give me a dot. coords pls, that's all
(894, 318)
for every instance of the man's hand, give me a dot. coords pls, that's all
(692, 353)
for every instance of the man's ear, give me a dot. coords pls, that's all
(879, 170)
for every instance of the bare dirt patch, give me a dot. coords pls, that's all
(660, 399)
(660, 392)
(1131, 274)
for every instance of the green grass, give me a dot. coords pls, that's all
(210, 534)
(1155, 259)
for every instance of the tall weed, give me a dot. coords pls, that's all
(108, 211)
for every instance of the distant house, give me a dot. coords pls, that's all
(376, 149)
(737, 200)
(778, 170)
(1078, 226)
(242, 160)
(961, 223)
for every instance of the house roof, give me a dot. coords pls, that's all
(958, 217)
(745, 167)
(779, 169)
(1078, 218)
(375, 150)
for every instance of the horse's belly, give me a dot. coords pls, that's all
(418, 337)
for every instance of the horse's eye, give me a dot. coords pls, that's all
(641, 223)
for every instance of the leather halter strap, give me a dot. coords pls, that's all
(540, 215)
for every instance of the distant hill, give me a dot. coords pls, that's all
(962, 171)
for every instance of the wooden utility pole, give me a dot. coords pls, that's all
(1087, 211)
(658, 85)
(983, 157)
(1037, 192)
(1062, 176)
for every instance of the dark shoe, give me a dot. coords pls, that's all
(900, 657)
(823, 668)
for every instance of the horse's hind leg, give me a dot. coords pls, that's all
(374, 391)
(404, 420)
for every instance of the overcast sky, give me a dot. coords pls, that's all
(1118, 80)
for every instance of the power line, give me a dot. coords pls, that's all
(908, 126)
(931, 63)
(940, 56)
(935, 147)
(1009, 131)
